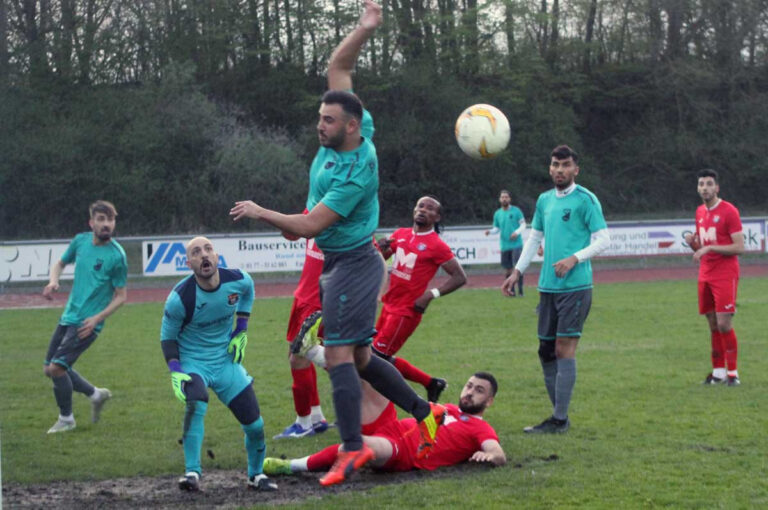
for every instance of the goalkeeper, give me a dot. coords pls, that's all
(203, 351)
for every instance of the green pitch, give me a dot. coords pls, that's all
(645, 431)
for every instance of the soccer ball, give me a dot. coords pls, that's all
(482, 131)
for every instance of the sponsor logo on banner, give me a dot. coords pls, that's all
(169, 256)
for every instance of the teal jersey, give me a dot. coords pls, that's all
(568, 223)
(201, 320)
(348, 184)
(99, 270)
(507, 221)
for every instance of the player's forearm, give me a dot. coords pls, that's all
(529, 250)
(457, 277)
(119, 297)
(521, 228)
(727, 249)
(170, 350)
(56, 269)
(296, 224)
(600, 243)
(345, 55)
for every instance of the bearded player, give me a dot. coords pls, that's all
(717, 243)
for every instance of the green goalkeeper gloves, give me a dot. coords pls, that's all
(237, 347)
(178, 378)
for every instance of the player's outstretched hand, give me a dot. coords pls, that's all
(481, 456)
(508, 287)
(371, 17)
(246, 209)
(49, 289)
(177, 383)
(237, 347)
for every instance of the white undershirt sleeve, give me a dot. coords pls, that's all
(493, 231)
(521, 228)
(601, 241)
(529, 250)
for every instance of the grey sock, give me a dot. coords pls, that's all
(566, 379)
(62, 390)
(80, 384)
(550, 375)
(347, 393)
(385, 379)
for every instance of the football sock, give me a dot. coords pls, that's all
(255, 446)
(320, 461)
(317, 414)
(193, 431)
(550, 376)
(80, 384)
(385, 379)
(731, 350)
(412, 373)
(347, 393)
(566, 379)
(314, 398)
(718, 350)
(62, 390)
(302, 389)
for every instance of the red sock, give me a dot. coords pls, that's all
(731, 349)
(303, 379)
(324, 459)
(314, 398)
(718, 350)
(412, 373)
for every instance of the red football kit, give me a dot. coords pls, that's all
(307, 294)
(416, 259)
(460, 436)
(718, 274)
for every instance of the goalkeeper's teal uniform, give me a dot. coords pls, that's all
(201, 322)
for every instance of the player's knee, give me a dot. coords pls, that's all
(196, 390)
(245, 406)
(53, 370)
(547, 351)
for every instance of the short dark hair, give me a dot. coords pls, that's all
(505, 191)
(565, 152)
(708, 172)
(104, 207)
(349, 102)
(491, 379)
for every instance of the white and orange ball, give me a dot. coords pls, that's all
(482, 131)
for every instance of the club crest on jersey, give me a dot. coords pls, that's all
(716, 219)
(421, 247)
(464, 417)
(98, 265)
(330, 164)
(566, 214)
(233, 298)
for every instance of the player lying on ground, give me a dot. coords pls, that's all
(464, 436)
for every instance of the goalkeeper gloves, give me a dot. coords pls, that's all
(238, 340)
(178, 378)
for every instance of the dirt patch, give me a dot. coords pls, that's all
(222, 489)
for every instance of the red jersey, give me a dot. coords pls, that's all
(460, 436)
(715, 227)
(308, 289)
(417, 257)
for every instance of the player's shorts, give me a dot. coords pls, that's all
(225, 378)
(393, 330)
(718, 296)
(403, 454)
(299, 311)
(563, 313)
(65, 346)
(349, 290)
(387, 416)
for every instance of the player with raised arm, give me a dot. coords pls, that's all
(717, 243)
(465, 435)
(203, 351)
(101, 270)
(509, 223)
(306, 301)
(418, 253)
(343, 215)
(570, 220)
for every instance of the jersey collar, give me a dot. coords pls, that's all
(423, 233)
(567, 191)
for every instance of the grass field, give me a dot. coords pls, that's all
(645, 431)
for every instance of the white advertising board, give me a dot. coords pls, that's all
(31, 262)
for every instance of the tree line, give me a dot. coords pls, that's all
(173, 109)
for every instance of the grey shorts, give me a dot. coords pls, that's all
(563, 314)
(349, 291)
(509, 258)
(65, 346)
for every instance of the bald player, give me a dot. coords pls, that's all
(204, 351)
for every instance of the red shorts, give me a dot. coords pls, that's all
(392, 331)
(299, 311)
(403, 454)
(718, 296)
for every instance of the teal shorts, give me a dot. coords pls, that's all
(225, 378)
